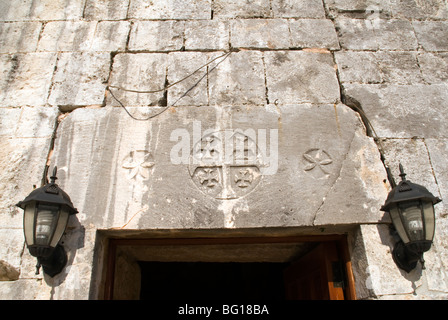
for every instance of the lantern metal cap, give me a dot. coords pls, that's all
(50, 193)
(407, 191)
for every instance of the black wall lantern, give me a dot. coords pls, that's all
(46, 213)
(411, 208)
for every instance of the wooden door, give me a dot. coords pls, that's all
(315, 276)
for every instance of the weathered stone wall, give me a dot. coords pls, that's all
(294, 70)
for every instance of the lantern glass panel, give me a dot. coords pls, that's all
(398, 223)
(46, 222)
(429, 218)
(60, 228)
(28, 223)
(412, 215)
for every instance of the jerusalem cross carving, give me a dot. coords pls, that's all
(225, 164)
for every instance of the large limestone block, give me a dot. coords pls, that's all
(432, 35)
(438, 149)
(413, 155)
(239, 79)
(376, 34)
(379, 67)
(80, 79)
(19, 36)
(214, 167)
(419, 10)
(9, 119)
(375, 272)
(26, 78)
(301, 77)
(260, 33)
(66, 36)
(110, 36)
(192, 91)
(106, 9)
(157, 35)
(395, 34)
(356, 34)
(434, 67)
(358, 67)
(170, 9)
(84, 36)
(206, 35)
(396, 110)
(141, 72)
(229, 9)
(41, 10)
(345, 6)
(399, 67)
(34, 122)
(298, 9)
(313, 33)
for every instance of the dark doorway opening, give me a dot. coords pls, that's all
(211, 281)
(270, 268)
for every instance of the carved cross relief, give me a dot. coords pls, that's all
(317, 161)
(225, 165)
(138, 163)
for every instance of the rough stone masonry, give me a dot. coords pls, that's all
(299, 70)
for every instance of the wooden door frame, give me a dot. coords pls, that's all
(114, 243)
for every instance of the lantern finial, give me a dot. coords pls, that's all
(402, 174)
(52, 187)
(54, 177)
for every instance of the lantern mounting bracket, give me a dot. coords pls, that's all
(405, 258)
(53, 264)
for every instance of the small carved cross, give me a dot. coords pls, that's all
(208, 177)
(319, 159)
(244, 178)
(138, 162)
